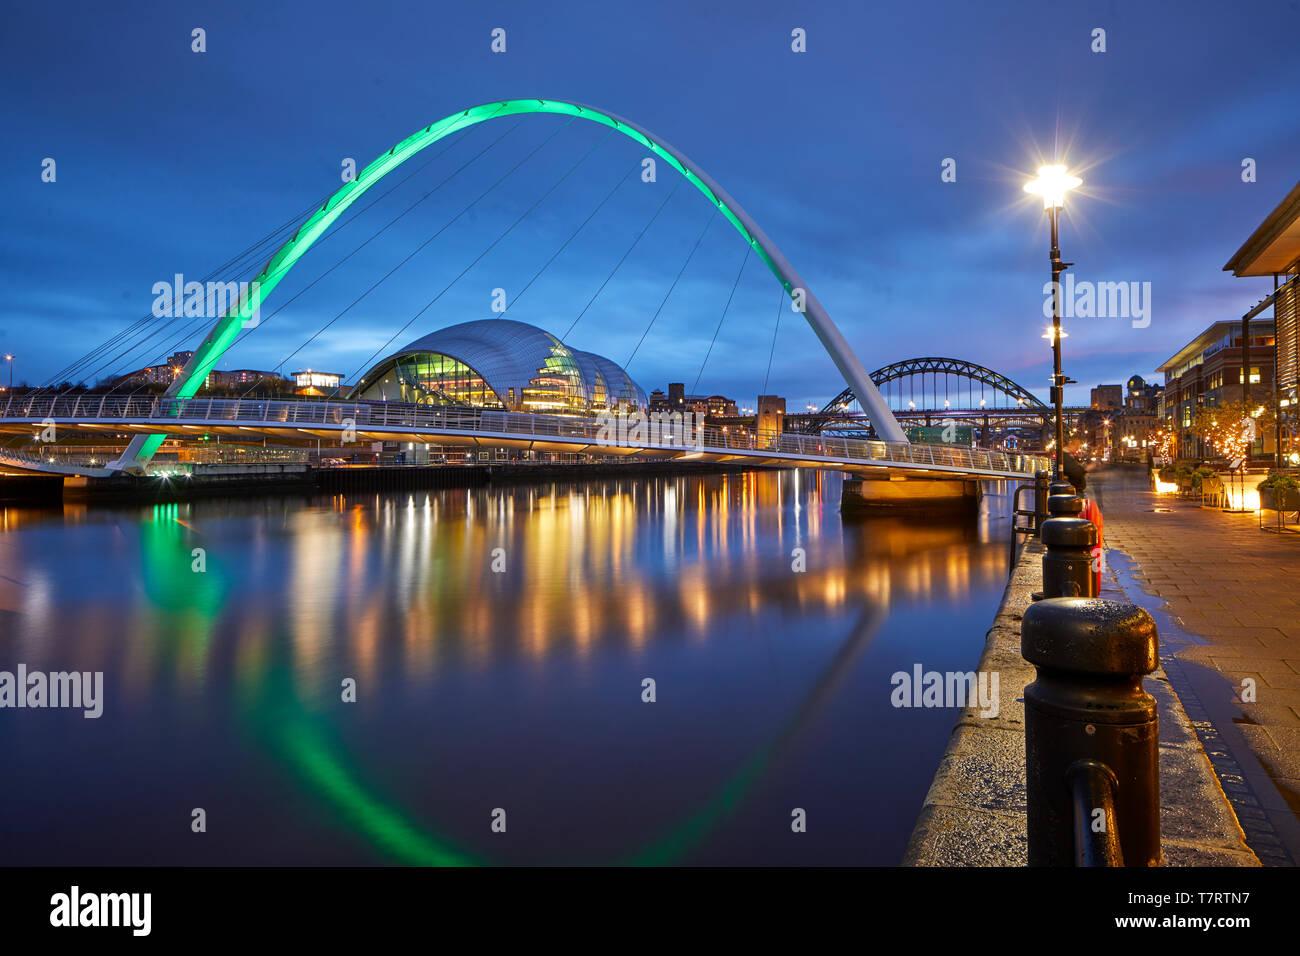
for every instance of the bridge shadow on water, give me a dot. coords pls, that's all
(500, 640)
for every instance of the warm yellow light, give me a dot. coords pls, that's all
(1052, 184)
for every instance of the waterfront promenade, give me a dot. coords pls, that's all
(974, 812)
(1231, 614)
(1222, 594)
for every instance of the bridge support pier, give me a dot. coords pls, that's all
(134, 459)
(915, 496)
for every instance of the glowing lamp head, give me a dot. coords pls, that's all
(1052, 184)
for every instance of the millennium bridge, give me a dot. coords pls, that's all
(858, 431)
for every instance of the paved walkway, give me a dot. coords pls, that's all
(1231, 597)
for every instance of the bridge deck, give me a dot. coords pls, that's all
(392, 421)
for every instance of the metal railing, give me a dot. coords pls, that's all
(372, 415)
(214, 454)
(1095, 825)
(1035, 515)
(54, 455)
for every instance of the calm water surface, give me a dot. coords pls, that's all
(478, 689)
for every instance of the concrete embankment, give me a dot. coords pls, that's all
(30, 487)
(974, 812)
(301, 479)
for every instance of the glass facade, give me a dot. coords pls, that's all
(558, 385)
(500, 363)
(429, 378)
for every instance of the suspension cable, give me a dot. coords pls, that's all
(669, 293)
(780, 307)
(722, 318)
(620, 262)
(609, 195)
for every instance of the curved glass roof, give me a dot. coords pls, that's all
(519, 361)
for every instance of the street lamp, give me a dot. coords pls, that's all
(10, 359)
(1052, 184)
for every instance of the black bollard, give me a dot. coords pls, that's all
(1069, 539)
(1059, 488)
(1064, 504)
(1091, 734)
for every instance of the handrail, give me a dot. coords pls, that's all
(1092, 789)
(1016, 528)
(408, 415)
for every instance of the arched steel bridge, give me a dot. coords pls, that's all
(180, 412)
(1010, 401)
(227, 328)
(941, 366)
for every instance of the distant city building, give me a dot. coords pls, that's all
(244, 378)
(710, 406)
(1134, 431)
(714, 406)
(1122, 422)
(317, 383)
(157, 374)
(163, 375)
(1139, 396)
(1107, 398)
(1207, 371)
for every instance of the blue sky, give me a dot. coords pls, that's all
(170, 161)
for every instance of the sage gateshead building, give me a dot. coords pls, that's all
(500, 363)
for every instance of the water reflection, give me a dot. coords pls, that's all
(499, 639)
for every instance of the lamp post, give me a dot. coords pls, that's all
(1052, 184)
(10, 359)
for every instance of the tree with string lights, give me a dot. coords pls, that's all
(1232, 427)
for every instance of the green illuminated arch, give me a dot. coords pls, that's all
(227, 328)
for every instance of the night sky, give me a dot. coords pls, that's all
(170, 161)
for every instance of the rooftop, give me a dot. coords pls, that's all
(1206, 341)
(1273, 246)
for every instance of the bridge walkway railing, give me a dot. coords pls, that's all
(667, 434)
